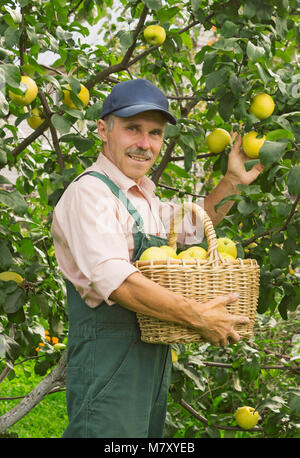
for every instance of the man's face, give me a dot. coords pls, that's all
(134, 143)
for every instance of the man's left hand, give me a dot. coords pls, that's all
(236, 171)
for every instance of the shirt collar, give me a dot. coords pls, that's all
(106, 166)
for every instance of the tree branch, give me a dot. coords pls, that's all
(53, 132)
(124, 64)
(164, 162)
(52, 380)
(275, 229)
(27, 141)
(180, 190)
(196, 415)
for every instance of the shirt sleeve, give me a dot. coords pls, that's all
(95, 236)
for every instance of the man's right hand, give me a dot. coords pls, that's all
(216, 323)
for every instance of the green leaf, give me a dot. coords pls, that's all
(14, 301)
(153, 4)
(293, 180)
(27, 248)
(178, 170)
(60, 123)
(237, 85)
(171, 131)
(217, 78)
(270, 152)
(4, 106)
(211, 431)
(278, 134)
(164, 15)
(13, 200)
(93, 112)
(249, 9)
(83, 144)
(226, 106)
(254, 53)
(229, 29)
(126, 38)
(246, 207)
(41, 367)
(6, 259)
(295, 404)
(278, 257)
(13, 349)
(282, 307)
(169, 46)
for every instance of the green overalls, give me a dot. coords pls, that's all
(117, 385)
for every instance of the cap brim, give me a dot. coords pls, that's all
(136, 109)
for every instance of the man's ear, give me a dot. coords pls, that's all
(102, 130)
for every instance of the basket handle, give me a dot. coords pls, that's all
(209, 231)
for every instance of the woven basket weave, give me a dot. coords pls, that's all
(200, 280)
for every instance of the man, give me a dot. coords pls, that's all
(117, 385)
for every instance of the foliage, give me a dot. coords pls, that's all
(253, 47)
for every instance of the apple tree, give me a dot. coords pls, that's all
(217, 55)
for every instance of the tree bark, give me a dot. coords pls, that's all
(54, 379)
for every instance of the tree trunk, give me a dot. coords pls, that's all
(54, 379)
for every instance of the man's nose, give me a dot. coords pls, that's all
(143, 142)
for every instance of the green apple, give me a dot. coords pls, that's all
(218, 140)
(246, 417)
(36, 118)
(155, 35)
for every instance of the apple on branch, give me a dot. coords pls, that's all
(218, 140)
(252, 144)
(155, 35)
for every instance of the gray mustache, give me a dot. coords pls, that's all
(140, 152)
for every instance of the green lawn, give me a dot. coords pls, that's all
(47, 420)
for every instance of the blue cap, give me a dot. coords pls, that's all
(136, 96)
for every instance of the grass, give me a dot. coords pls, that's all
(47, 420)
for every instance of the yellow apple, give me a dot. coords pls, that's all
(174, 356)
(30, 93)
(11, 276)
(225, 245)
(155, 35)
(197, 252)
(185, 255)
(252, 144)
(170, 251)
(155, 253)
(226, 255)
(218, 140)
(36, 118)
(83, 95)
(246, 417)
(59, 346)
(262, 106)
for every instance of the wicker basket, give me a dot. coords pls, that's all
(200, 280)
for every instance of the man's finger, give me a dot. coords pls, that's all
(234, 337)
(240, 319)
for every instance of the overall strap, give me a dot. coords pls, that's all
(120, 195)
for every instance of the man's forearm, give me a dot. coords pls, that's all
(139, 294)
(225, 188)
(211, 318)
